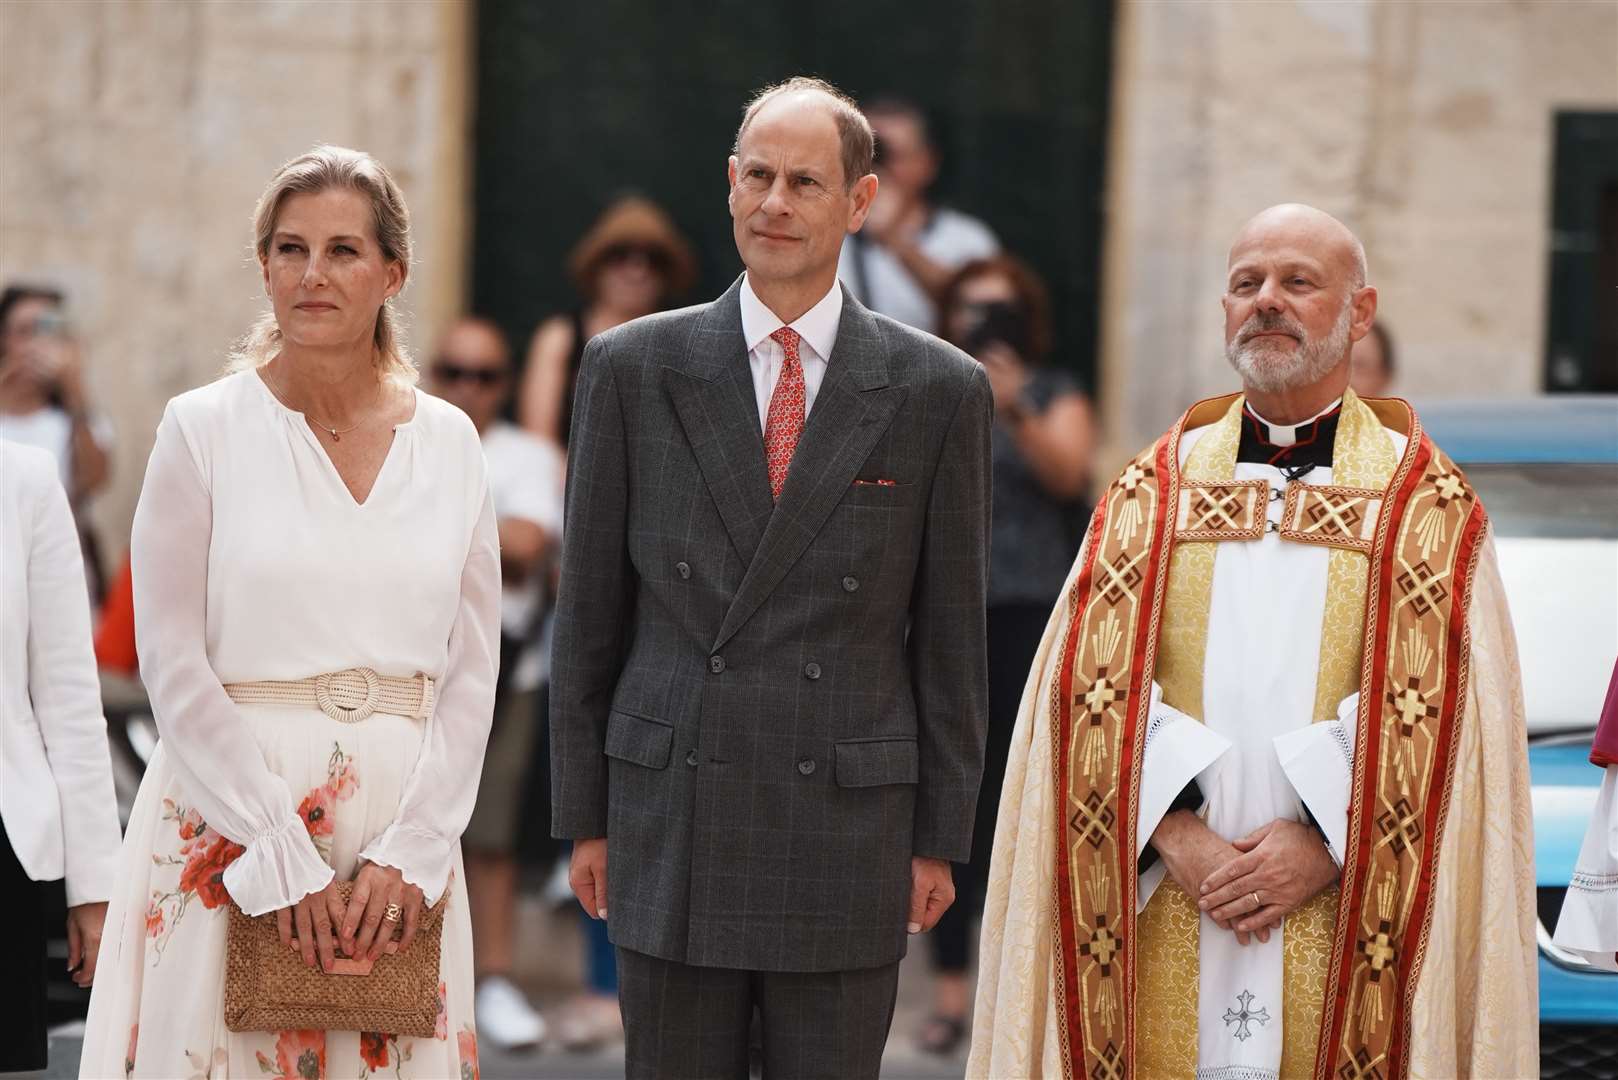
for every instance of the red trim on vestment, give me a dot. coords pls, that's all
(1450, 716)
(1369, 741)
(1068, 961)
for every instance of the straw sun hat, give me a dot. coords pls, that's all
(634, 222)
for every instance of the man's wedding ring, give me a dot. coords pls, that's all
(392, 913)
(1257, 903)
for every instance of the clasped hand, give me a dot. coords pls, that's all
(1247, 886)
(319, 924)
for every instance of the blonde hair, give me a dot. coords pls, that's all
(322, 169)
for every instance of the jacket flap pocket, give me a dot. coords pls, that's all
(639, 740)
(873, 762)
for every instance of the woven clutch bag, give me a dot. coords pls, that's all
(268, 988)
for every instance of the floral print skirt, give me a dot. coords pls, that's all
(158, 1005)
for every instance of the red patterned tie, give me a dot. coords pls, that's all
(785, 419)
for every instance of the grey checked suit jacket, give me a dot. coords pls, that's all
(769, 708)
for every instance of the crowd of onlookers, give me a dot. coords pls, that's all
(928, 265)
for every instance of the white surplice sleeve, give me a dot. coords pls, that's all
(438, 796)
(1178, 748)
(1589, 921)
(1318, 761)
(220, 767)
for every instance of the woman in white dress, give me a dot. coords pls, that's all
(311, 513)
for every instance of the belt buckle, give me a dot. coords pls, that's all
(349, 684)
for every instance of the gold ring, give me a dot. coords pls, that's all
(1257, 903)
(392, 913)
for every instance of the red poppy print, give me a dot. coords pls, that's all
(466, 1040)
(374, 1049)
(204, 872)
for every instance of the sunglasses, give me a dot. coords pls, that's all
(450, 372)
(656, 257)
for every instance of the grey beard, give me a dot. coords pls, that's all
(1314, 360)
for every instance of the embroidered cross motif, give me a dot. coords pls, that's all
(1222, 511)
(1361, 1066)
(1102, 946)
(1403, 824)
(1412, 707)
(1422, 587)
(1379, 950)
(1449, 487)
(1246, 1016)
(1327, 514)
(1101, 694)
(1122, 577)
(1094, 820)
(1131, 478)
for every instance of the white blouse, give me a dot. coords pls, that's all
(253, 561)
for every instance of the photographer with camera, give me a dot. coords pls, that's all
(997, 309)
(901, 260)
(42, 397)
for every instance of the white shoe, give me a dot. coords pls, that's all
(504, 1016)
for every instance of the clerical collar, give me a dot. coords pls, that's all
(1290, 447)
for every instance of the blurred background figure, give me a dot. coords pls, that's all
(900, 262)
(1371, 366)
(998, 310)
(632, 262)
(43, 402)
(472, 370)
(56, 794)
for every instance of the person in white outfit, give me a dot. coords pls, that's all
(56, 796)
(312, 527)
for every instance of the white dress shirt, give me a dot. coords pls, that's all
(56, 795)
(818, 329)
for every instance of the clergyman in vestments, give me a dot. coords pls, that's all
(1267, 808)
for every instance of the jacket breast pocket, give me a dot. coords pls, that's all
(877, 761)
(639, 740)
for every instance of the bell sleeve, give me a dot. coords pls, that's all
(222, 771)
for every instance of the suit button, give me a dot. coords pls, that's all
(683, 569)
(811, 670)
(716, 664)
(807, 766)
(851, 583)
(691, 758)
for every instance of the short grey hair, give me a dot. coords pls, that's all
(853, 129)
(322, 169)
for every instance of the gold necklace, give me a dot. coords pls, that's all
(336, 435)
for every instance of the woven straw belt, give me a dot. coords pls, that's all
(350, 695)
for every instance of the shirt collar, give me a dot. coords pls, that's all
(1287, 434)
(817, 326)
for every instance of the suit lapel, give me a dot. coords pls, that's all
(853, 408)
(712, 391)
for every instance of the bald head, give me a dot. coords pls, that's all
(1303, 227)
(804, 92)
(1295, 302)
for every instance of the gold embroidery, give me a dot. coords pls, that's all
(1339, 517)
(1408, 686)
(1231, 510)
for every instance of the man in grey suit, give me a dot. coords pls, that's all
(768, 695)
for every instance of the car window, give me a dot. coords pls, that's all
(1552, 500)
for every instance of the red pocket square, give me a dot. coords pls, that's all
(878, 483)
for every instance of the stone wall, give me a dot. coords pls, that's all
(1426, 126)
(137, 135)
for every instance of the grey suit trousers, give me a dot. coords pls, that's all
(685, 1022)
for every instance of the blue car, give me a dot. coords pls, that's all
(1547, 470)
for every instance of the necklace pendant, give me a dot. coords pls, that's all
(334, 436)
